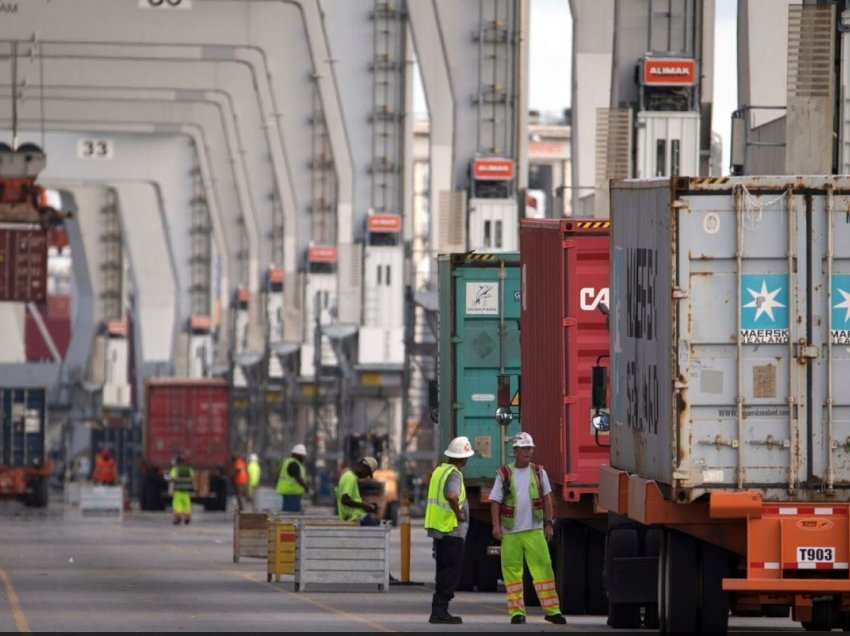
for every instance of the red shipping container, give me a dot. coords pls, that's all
(56, 316)
(23, 264)
(563, 334)
(186, 416)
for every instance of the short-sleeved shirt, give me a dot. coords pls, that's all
(348, 485)
(452, 486)
(523, 518)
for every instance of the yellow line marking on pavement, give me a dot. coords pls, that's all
(328, 608)
(14, 603)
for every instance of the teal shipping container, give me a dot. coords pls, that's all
(479, 307)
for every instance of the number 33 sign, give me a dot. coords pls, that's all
(94, 148)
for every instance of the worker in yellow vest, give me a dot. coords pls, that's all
(254, 472)
(292, 482)
(447, 520)
(521, 513)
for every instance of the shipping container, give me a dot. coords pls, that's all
(24, 468)
(563, 334)
(479, 343)
(730, 411)
(188, 417)
(23, 263)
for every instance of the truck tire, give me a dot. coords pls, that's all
(391, 513)
(823, 616)
(488, 568)
(597, 599)
(715, 565)
(651, 548)
(571, 566)
(218, 486)
(622, 542)
(677, 578)
(37, 497)
(467, 575)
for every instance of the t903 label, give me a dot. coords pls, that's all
(815, 555)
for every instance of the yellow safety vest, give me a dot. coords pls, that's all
(439, 515)
(286, 485)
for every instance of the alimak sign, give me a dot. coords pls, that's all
(669, 71)
(493, 169)
(383, 222)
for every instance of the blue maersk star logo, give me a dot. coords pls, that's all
(841, 301)
(764, 301)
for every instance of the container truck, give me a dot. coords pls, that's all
(24, 468)
(478, 373)
(188, 417)
(730, 408)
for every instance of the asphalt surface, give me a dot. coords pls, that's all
(60, 572)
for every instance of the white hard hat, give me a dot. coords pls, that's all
(459, 448)
(253, 457)
(299, 449)
(523, 440)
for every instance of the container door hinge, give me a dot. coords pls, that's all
(679, 293)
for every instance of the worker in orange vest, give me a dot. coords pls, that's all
(105, 471)
(239, 476)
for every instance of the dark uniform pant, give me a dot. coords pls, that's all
(448, 552)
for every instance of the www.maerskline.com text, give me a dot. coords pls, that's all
(754, 412)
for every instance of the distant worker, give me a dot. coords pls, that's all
(349, 503)
(254, 473)
(182, 484)
(239, 478)
(105, 471)
(292, 482)
(521, 513)
(447, 520)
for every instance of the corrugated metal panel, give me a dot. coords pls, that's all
(731, 326)
(564, 279)
(23, 264)
(476, 345)
(24, 413)
(188, 417)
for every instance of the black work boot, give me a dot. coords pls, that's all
(440, 614)
(443, 616)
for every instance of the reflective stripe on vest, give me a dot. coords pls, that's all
(182, 477)
(286, 484)
(439, 515)
(507, 509)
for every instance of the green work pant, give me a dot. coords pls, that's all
(531, 546)
(181, 502)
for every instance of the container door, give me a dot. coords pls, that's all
(485, 345)
(827, 357)
(741, 286)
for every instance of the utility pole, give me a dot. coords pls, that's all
(313, 440)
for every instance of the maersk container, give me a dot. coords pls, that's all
(730, 340)
(564, 335)
(23, 413)
(479, 303)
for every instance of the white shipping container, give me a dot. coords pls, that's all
(730, 327)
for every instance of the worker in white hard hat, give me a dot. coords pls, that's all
(254, 473)
(447, 520)
(350, 505)
(521, 514)
(292, 482)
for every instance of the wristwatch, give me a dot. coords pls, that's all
(548, 522)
